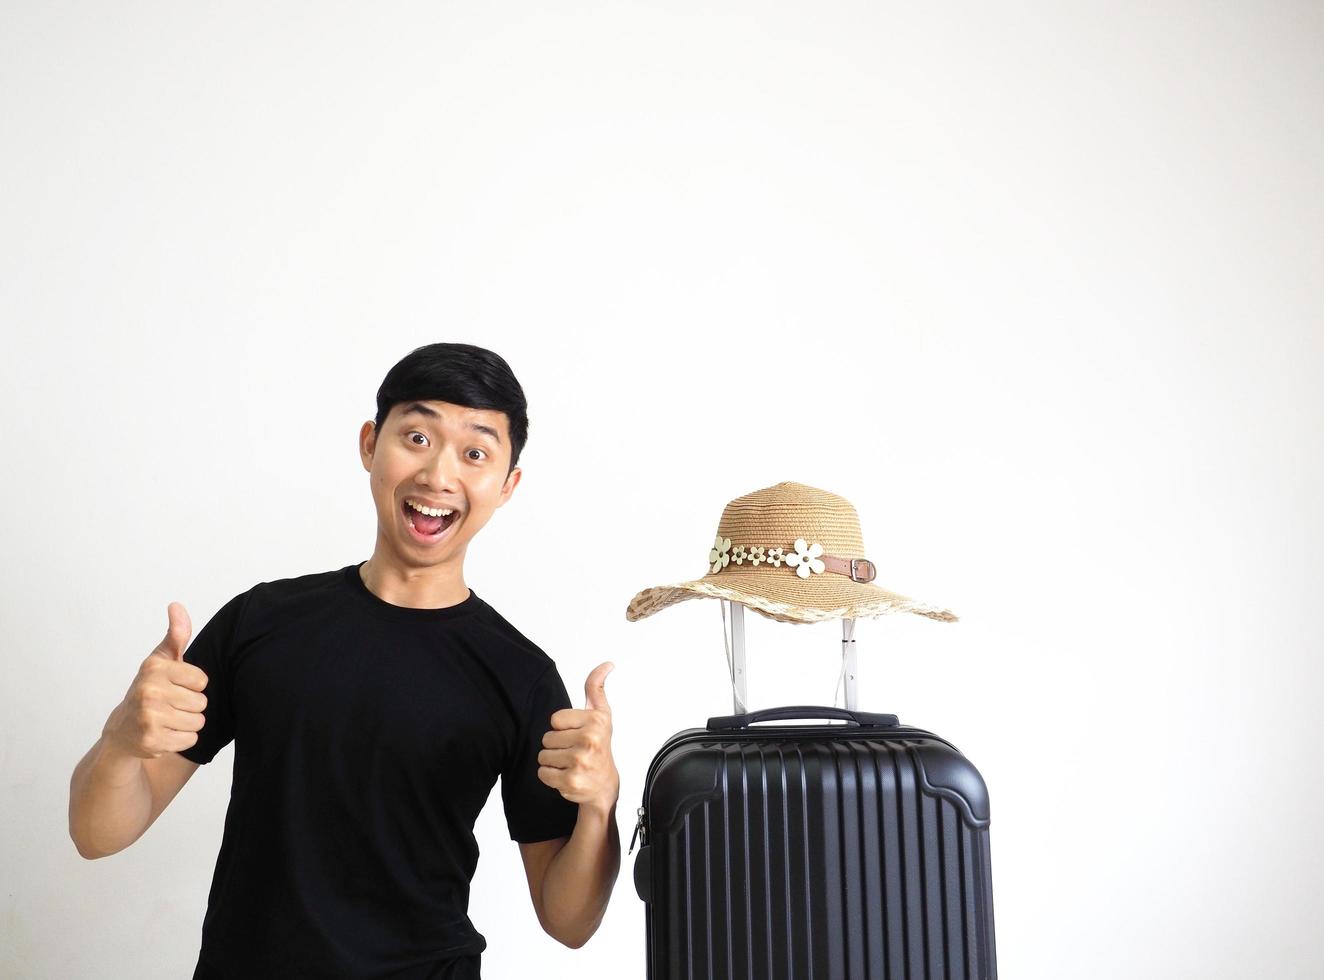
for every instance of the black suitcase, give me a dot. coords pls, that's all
(832, 852)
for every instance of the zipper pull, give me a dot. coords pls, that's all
(638, 827)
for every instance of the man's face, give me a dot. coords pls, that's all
(437, 455)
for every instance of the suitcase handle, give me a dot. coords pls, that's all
(859, 718)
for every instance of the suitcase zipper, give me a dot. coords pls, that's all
(641, 824)
(638, 829)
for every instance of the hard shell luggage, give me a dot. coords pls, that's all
(856, 851)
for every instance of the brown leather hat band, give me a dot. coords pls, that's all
(856, 569)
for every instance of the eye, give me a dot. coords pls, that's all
(478, 451)
(416, 433)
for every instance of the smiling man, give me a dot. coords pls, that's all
(372, 709)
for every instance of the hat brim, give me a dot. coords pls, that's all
(816, 599)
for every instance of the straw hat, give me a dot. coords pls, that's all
(792, 553)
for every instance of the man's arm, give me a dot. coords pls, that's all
(114, 797)
(134, 770)
(537, 856)
(571, 878)
(575, 875)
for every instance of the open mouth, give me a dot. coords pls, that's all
(424, 527)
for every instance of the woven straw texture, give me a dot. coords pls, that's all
(775, 517)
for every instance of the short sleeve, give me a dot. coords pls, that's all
(212, 650)
(534, 810)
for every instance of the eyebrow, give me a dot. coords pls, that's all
(418, 408)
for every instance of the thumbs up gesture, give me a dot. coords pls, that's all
(576, 757)
(162, 710)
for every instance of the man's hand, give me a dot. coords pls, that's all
(162, 711)
(576, 756)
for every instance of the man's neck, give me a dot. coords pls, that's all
(415, 588)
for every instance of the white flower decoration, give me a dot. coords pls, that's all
(738, 554)
(775, 556)
(805, 558)
(756, 557)
(719, 554)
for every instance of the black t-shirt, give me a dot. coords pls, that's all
(368, 737)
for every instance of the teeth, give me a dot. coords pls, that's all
(430, 511)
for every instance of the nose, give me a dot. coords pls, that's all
(438, 472)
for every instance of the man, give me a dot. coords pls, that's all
(372, 709)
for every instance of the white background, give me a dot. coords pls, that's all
(1037, 287)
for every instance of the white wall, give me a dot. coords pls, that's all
(1036, 286)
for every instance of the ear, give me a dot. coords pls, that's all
(367, 444)
(512, 481)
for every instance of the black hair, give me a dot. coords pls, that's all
(461, 374)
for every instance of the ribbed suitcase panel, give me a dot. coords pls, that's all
(821, 860)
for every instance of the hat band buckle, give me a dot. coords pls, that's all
(870, 572)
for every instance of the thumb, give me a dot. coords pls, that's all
(595, 690)
(177, 635)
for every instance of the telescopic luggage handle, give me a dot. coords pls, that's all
(734, 640)
(860, 718)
